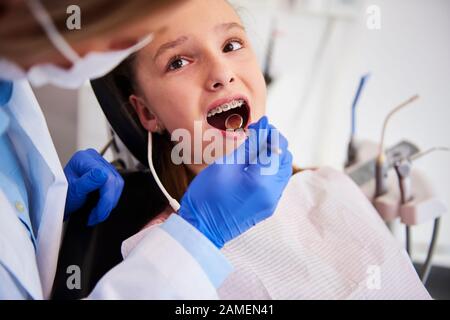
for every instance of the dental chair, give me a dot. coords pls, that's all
(96, 250)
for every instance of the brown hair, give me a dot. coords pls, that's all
(24, 36)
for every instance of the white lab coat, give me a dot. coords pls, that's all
(151, 271)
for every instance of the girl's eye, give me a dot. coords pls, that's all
(177, 64)
(232, 46)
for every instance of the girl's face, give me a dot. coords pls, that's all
(200, 64)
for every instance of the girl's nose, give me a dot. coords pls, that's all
(217, 85)
(220, 76)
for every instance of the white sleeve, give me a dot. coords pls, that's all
(161, 266)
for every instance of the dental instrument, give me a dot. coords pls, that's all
(380, 166)
(172, 202)
(352, 150)
(234, 121)
(406, 196)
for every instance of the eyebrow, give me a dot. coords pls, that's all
(182, 39)
(228, 26)
(170, 45)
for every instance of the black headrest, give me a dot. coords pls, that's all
(122, 119)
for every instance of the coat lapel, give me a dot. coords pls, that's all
(47, 181)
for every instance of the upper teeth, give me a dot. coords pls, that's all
(225, 107)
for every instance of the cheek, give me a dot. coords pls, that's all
(175, 104)
(258, 89)
(262, 93)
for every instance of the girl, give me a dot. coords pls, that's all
(325, 240)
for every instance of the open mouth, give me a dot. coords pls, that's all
(230, 116)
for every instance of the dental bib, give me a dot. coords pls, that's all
(324, 241)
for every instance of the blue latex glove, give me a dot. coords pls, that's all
(86, 172)
(225, 200)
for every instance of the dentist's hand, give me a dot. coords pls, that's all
(225, 200)
(86, 172)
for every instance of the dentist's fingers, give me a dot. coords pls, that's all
(110, 192)
(264, 152)
(109, 197)
(274, 158)
(90, 181)
(258, 133)
(88, 171)
(276, 142)
(286, 165)
(247, 152)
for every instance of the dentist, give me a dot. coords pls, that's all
(179, 259)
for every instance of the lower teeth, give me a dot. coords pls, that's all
(234, 121)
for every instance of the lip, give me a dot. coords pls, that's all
(236, 135)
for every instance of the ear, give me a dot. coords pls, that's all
(148, 119)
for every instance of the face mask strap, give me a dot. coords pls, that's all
(55, 37)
